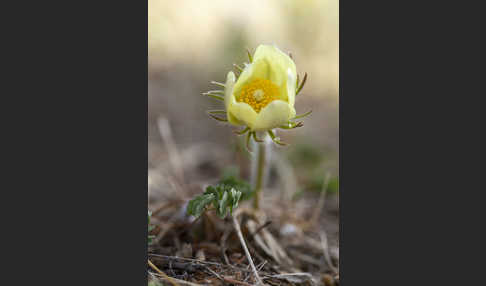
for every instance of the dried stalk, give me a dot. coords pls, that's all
(233, 281)
(245, 248)
(170, 279)
(325, 250)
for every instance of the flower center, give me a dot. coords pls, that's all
(258, 94)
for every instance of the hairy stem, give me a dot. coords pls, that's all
(259, 165)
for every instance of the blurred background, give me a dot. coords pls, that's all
(192, 42)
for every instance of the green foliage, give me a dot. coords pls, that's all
(150, 228)
(198, 204)
(224, 196)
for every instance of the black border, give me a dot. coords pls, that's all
(408, 131)
(75, 143)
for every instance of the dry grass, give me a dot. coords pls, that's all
(291, 242)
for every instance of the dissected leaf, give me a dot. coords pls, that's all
(224, 197)
(223, 204)
(197, 205)
(231, 181)
(235, 198)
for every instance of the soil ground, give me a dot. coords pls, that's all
(290, 240)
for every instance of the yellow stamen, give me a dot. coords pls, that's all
(258, 94)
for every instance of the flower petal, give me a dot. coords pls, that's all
(244, 77)
(243, 112)
(232, 119)
(259, 69)
(278, 61)
(229, 98)
(272, 64)
(278, 112)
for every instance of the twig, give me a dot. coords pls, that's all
(189, 267)
(289, 274)
(230, 280)
(182, 282)
(322, 199)
(214, 273)
(262, 264)
(325, 249)
(198, 261)
(293, 278)
(243, 244)
(170, 279)
(259, 268)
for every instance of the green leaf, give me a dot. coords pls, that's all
(224, 196)
(222, 205)
(197, 205)
(231, 181)
(235, 198)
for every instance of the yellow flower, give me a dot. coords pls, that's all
(263, 97)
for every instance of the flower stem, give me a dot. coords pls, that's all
(260, 157)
